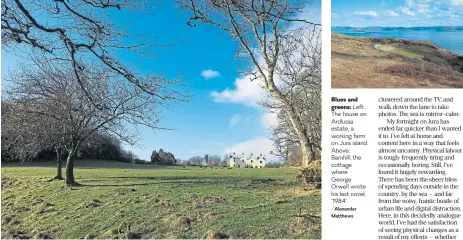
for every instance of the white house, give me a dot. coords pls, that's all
(243, 162)
(260, 161)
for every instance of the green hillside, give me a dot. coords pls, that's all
(119, 200)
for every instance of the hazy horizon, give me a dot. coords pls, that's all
(400, 26)
(389, 13)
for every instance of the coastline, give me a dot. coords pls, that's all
(448, 38)
(392, 63)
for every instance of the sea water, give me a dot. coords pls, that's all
(450, 40)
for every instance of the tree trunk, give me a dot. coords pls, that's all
(306, 153)
(313, 152)
(307, 150)
(59, 166)
(59, 171)
(70, 169)
(312, 175)
(295, 122)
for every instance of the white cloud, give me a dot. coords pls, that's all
(457, 2)
(366, 13)
(391, 13)
(210, 74)
(234, 120)
(406, 11)
(269, 120)
(257, 146)
(422, 8)
(246, 92)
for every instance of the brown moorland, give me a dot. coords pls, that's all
(360, 62)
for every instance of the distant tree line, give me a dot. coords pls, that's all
(206, 161)
(100, 145)
(163, 158)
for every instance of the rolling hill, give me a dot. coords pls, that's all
(361, 62)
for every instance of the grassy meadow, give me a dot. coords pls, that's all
(392, 63)
(120, 200)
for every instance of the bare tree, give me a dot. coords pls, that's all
(196, 161)
(270, 35)
(214, 160)
(24, 136)
(224, 162)
(81, 34)
(289, 152)
(306, 97)
(46, 90)
(102, 145)
(281, 143)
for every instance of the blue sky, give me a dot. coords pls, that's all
(397, 13)
(222, 115)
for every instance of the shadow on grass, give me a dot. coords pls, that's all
(91, 164)
(228, 178)
(140, 184)
(239, 182)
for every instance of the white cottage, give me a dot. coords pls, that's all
(260, 161)
(236, 162)
(243, 162)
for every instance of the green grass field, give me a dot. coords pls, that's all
(119, 200)
(400, 51)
